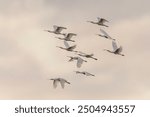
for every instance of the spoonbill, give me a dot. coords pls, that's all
(84, 73)
(87, 55)
(100, 21)
(67, 37)
(68, 48)
(59, 80)
(57, 30)
(105, 35)
(79, 60)
(116, 50)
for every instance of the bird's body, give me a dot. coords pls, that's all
(59, 80)
(100, 22)
(67, 37)
(116, 50)
(84, 73)
(57, 30)
(105, 35)
(78, 59)
(87, 55)
(68, 48)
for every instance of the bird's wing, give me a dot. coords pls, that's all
(79, 62)
(106, 34)
(55, 27)
(66, 44)
(88, 74)
(71, 58)
(120, 49)
(72, 47)
(114, 45)
(62, 82)
(103, 20)
(69, 35)
(99, 19)
(59, 28)
(55, 82)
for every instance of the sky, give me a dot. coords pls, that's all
(29, 56)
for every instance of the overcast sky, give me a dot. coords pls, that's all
(28, 55)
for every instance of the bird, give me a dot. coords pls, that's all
(116, 50)
(87, 55)
(84, 73)
(57, 30)
(67, 37)
(100, 22)
(105, 35)
(68, 48)
(79, 60)
(59, 80)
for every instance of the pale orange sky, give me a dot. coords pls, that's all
(28, 55)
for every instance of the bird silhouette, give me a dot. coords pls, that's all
(78, 59)
(67, 37)
(116, 50)
(100, 21)
(105, 35)
(68, 48)
(57, 30)
(86, 55)
(59, 80)
(84, 73)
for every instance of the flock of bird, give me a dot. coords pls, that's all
(79, 59)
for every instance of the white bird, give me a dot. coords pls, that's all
(68, 48)
(100, 22)
(84, 73)
(67, 37)
(105, 35)
(57, 30)
(116, 50)
(87, 55)
(79, 60)
(59, 80)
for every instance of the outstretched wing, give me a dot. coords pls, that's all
(120, 49)
(88, 74)
(79, 62)
(58, 28)
(101, 20)
(69, 35)
(55, 28)
(71, 48)
(55, 83)
(106, 34)
(66, 44)
(114, 45)
(62, 83)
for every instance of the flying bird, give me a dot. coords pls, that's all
(87, 55)
(105, 35)
(100, 21)
(78, 59)
(84, 73)
(67, 37)
(57, 30)
(59, 80)
(116, 50)
(68, 48)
